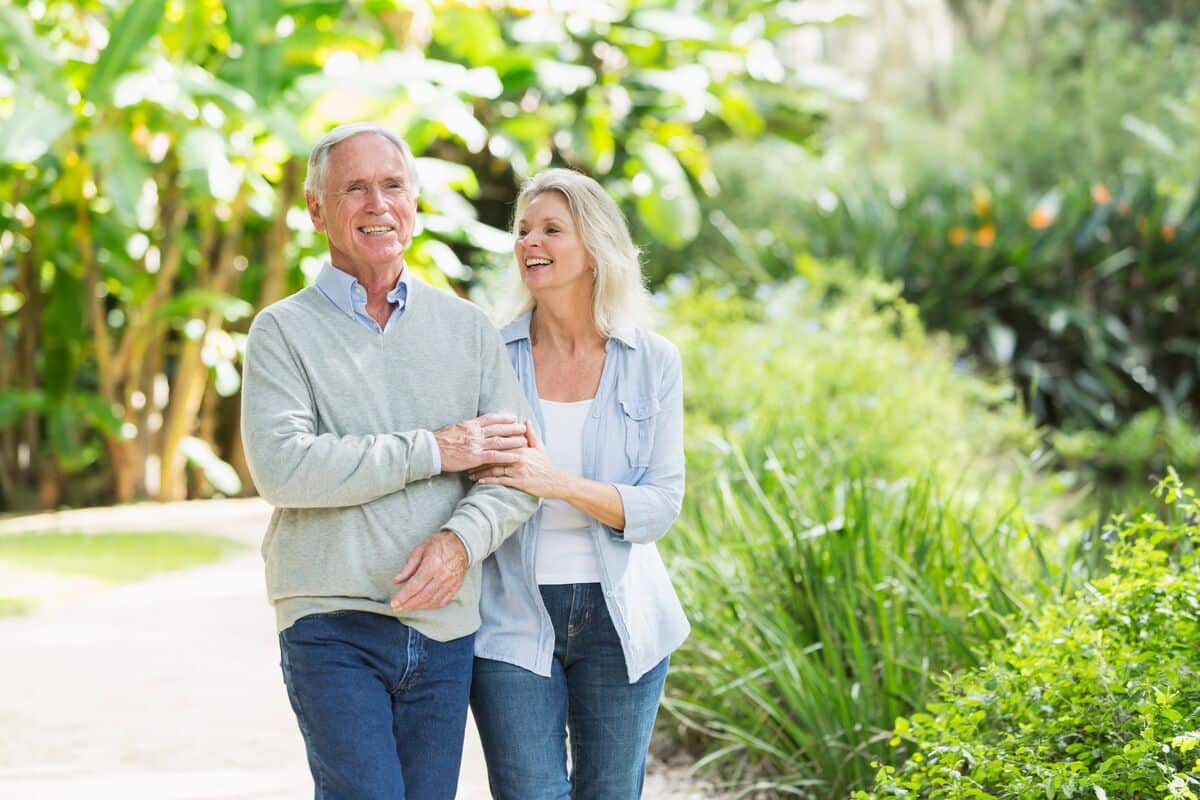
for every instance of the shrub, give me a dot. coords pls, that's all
(839, 368)
(1096, 696)
(853, 524)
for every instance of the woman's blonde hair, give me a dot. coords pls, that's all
(619, 295)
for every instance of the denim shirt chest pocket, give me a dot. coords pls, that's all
(639, 414)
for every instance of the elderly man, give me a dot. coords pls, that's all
(353, 388)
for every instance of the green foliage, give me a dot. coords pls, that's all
(1149, 440)
(1074, 290)
(1096, 696)
(114, 557)
(151, 160)
(1059, 246)
(839, 367)
(853, 524)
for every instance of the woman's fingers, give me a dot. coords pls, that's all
(530, 435)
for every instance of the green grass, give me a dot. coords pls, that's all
(15, 606)
(114, 557)
(821, 612)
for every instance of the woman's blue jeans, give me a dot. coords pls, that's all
(382, 708)
(524, 719)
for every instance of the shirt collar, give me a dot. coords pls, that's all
(519, 329)
(339, 286)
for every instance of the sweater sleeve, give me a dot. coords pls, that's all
(488, 514)
(293, 466)
(652, 505)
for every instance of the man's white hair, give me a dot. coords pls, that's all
(318, 159)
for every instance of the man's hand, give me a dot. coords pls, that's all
(532, 472)
(483, 440)
(432, 575)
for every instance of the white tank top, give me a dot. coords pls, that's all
(565, 551)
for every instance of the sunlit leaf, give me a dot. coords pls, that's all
(665, 201)
(122, 170)
(37, 62)
(445, 259)
(467, 34)
(227, 380)
(674, 25)
(128, 37)
(219, 473)
(1150, 134)
(15, 402)
(203, 154)
(192, 301)
(32, 129)
(439, 172)
(253, 70)
(564, 78)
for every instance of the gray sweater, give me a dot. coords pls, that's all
(337, 423)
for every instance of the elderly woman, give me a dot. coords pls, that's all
(579, 617)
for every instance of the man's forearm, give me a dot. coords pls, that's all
(301, 470)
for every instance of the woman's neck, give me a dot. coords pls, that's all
(563, 327)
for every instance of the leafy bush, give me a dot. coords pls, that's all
(1149, 439)
(839, 368)
(1096, 696)
(826, 569)
(1059, 245)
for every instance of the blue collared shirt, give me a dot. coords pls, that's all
(350, 297)
(632, 439)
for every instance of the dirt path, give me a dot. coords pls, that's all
(167, 689)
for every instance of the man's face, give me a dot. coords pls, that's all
(368, 207)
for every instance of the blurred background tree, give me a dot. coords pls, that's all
(152, 156)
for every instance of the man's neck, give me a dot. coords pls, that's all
(377, 283)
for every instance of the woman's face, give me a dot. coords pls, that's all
(549, 250)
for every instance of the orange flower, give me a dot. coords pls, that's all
(1041, 217)
(1167, 232)
(1101, 196)
(957, 235)
(985, 235)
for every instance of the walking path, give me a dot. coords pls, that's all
(167, 689)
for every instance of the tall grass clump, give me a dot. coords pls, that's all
(856, 522)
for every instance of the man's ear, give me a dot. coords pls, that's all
(315, 211)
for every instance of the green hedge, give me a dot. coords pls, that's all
(1098, 696)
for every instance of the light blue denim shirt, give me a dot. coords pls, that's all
(633, 439)
(344, 291)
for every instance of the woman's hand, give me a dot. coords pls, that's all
(532, 472)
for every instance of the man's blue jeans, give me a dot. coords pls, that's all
(523, 718)
(382, 708)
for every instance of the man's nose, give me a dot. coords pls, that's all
(374, 197)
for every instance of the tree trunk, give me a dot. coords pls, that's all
(8, 442)
(275, 266)
(191, 376)
(28, 340)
